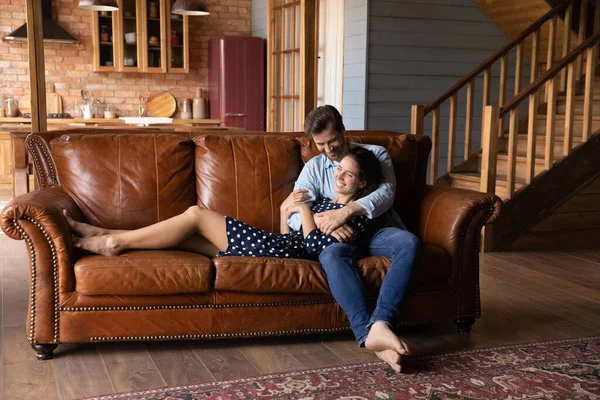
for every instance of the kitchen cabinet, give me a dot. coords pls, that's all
(142, 36)
(5, 163)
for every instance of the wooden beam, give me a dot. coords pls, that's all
(37, 78)
(309, 42)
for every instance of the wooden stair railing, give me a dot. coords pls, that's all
(533, 33)
(549, 78)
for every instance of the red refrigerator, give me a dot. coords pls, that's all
(236, 78)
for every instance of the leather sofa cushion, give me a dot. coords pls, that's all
(274, 275)
(246, 177)
(269, 275)
(126, 181)
(144, 272)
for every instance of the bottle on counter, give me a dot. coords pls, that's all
(2, 113)
(199, 105)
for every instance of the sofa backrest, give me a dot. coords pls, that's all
(409, 156)
(126, 181)
(247, 176)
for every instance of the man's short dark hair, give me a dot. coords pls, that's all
(320, 118)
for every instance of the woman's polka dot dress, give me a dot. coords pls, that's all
(246, 240)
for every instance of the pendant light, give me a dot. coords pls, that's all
(190, 7)
(99, 5)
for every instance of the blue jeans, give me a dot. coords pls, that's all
(347, 287)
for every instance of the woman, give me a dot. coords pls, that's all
(213, 234)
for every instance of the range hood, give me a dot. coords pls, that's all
(52, 32)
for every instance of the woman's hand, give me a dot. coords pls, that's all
(292, 200)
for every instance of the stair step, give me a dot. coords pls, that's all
(561, 106)
(472, 181)
(521, 166)
(559, 125)
(540, 145)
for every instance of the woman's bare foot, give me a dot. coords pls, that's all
(382, 338)
(82, 229)
(105, 245)
(391, 357)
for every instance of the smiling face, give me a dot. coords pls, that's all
(331, 143)
(346, 177)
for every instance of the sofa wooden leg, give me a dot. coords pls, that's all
(44, 351)
(464, 324)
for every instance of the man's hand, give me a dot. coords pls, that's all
(294, 198)
(344, 234)
(329, 221)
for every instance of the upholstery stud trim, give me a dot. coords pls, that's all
(192, 306)
(215, 335)
(34, 278)
(461, 257)
(181, 307)
(42, 148)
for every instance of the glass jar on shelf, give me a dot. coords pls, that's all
(153, 10)
(109, 111)
(104, 35)
(11, 107)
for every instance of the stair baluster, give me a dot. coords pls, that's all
(452, 130)
(532, 112)
(469, 118)
(435, 145)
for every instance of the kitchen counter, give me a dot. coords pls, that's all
(104, 121)
(15, 171)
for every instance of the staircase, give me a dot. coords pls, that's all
(524, 155)
(467, 175)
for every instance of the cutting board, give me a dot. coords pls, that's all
(53, 103)
(161, 104)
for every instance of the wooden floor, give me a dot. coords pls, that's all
(526, 297)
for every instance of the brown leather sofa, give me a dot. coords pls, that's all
(129, 179)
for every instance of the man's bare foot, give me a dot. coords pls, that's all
(391, 357)
(104, 245)
(82, 229)
(382, 338)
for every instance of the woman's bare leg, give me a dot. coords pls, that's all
(194, 243)
(172, 232)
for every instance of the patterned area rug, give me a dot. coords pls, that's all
(566, 369)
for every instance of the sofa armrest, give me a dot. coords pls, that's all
(448, 214)
(452, 219)
(36, 217)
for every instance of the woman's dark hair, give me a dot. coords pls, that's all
(319, 119)
(369, 170)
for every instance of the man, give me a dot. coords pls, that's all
(387, 238)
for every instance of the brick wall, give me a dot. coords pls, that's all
(69, 66)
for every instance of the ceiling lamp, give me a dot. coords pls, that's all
(99, 5)
(190, 7)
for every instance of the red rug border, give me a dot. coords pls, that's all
(335, 368)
